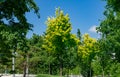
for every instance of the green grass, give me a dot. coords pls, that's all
(46, 75)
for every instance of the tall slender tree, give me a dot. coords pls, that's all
(86, 51)
(58, 37)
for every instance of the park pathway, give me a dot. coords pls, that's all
(18, 75)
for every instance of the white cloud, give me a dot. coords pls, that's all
(93, 29)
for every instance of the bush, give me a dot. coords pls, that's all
(115, 70)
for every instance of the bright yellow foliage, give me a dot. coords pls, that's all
(87, 47)
(58, 33)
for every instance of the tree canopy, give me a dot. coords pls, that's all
(58, 37)
(110, 28)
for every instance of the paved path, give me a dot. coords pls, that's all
(18, 75)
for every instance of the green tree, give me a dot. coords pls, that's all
(58, 37)
(110, 28)
(11, 9)
(110, 31)
(14, 25)
(87, 51)
(79, 34)
(35, 54)
(12, 15)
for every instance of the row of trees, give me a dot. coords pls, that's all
(13, 28)
(58, 51)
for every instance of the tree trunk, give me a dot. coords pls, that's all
(27, 66)
(61, 64)
(90, 72)
(61, 69)
(24, 69)
(50, 69)
(102, 73)
(68, 72)
(108, 74)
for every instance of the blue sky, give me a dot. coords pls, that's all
(84, 14)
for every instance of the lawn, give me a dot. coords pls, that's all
(46, 75)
